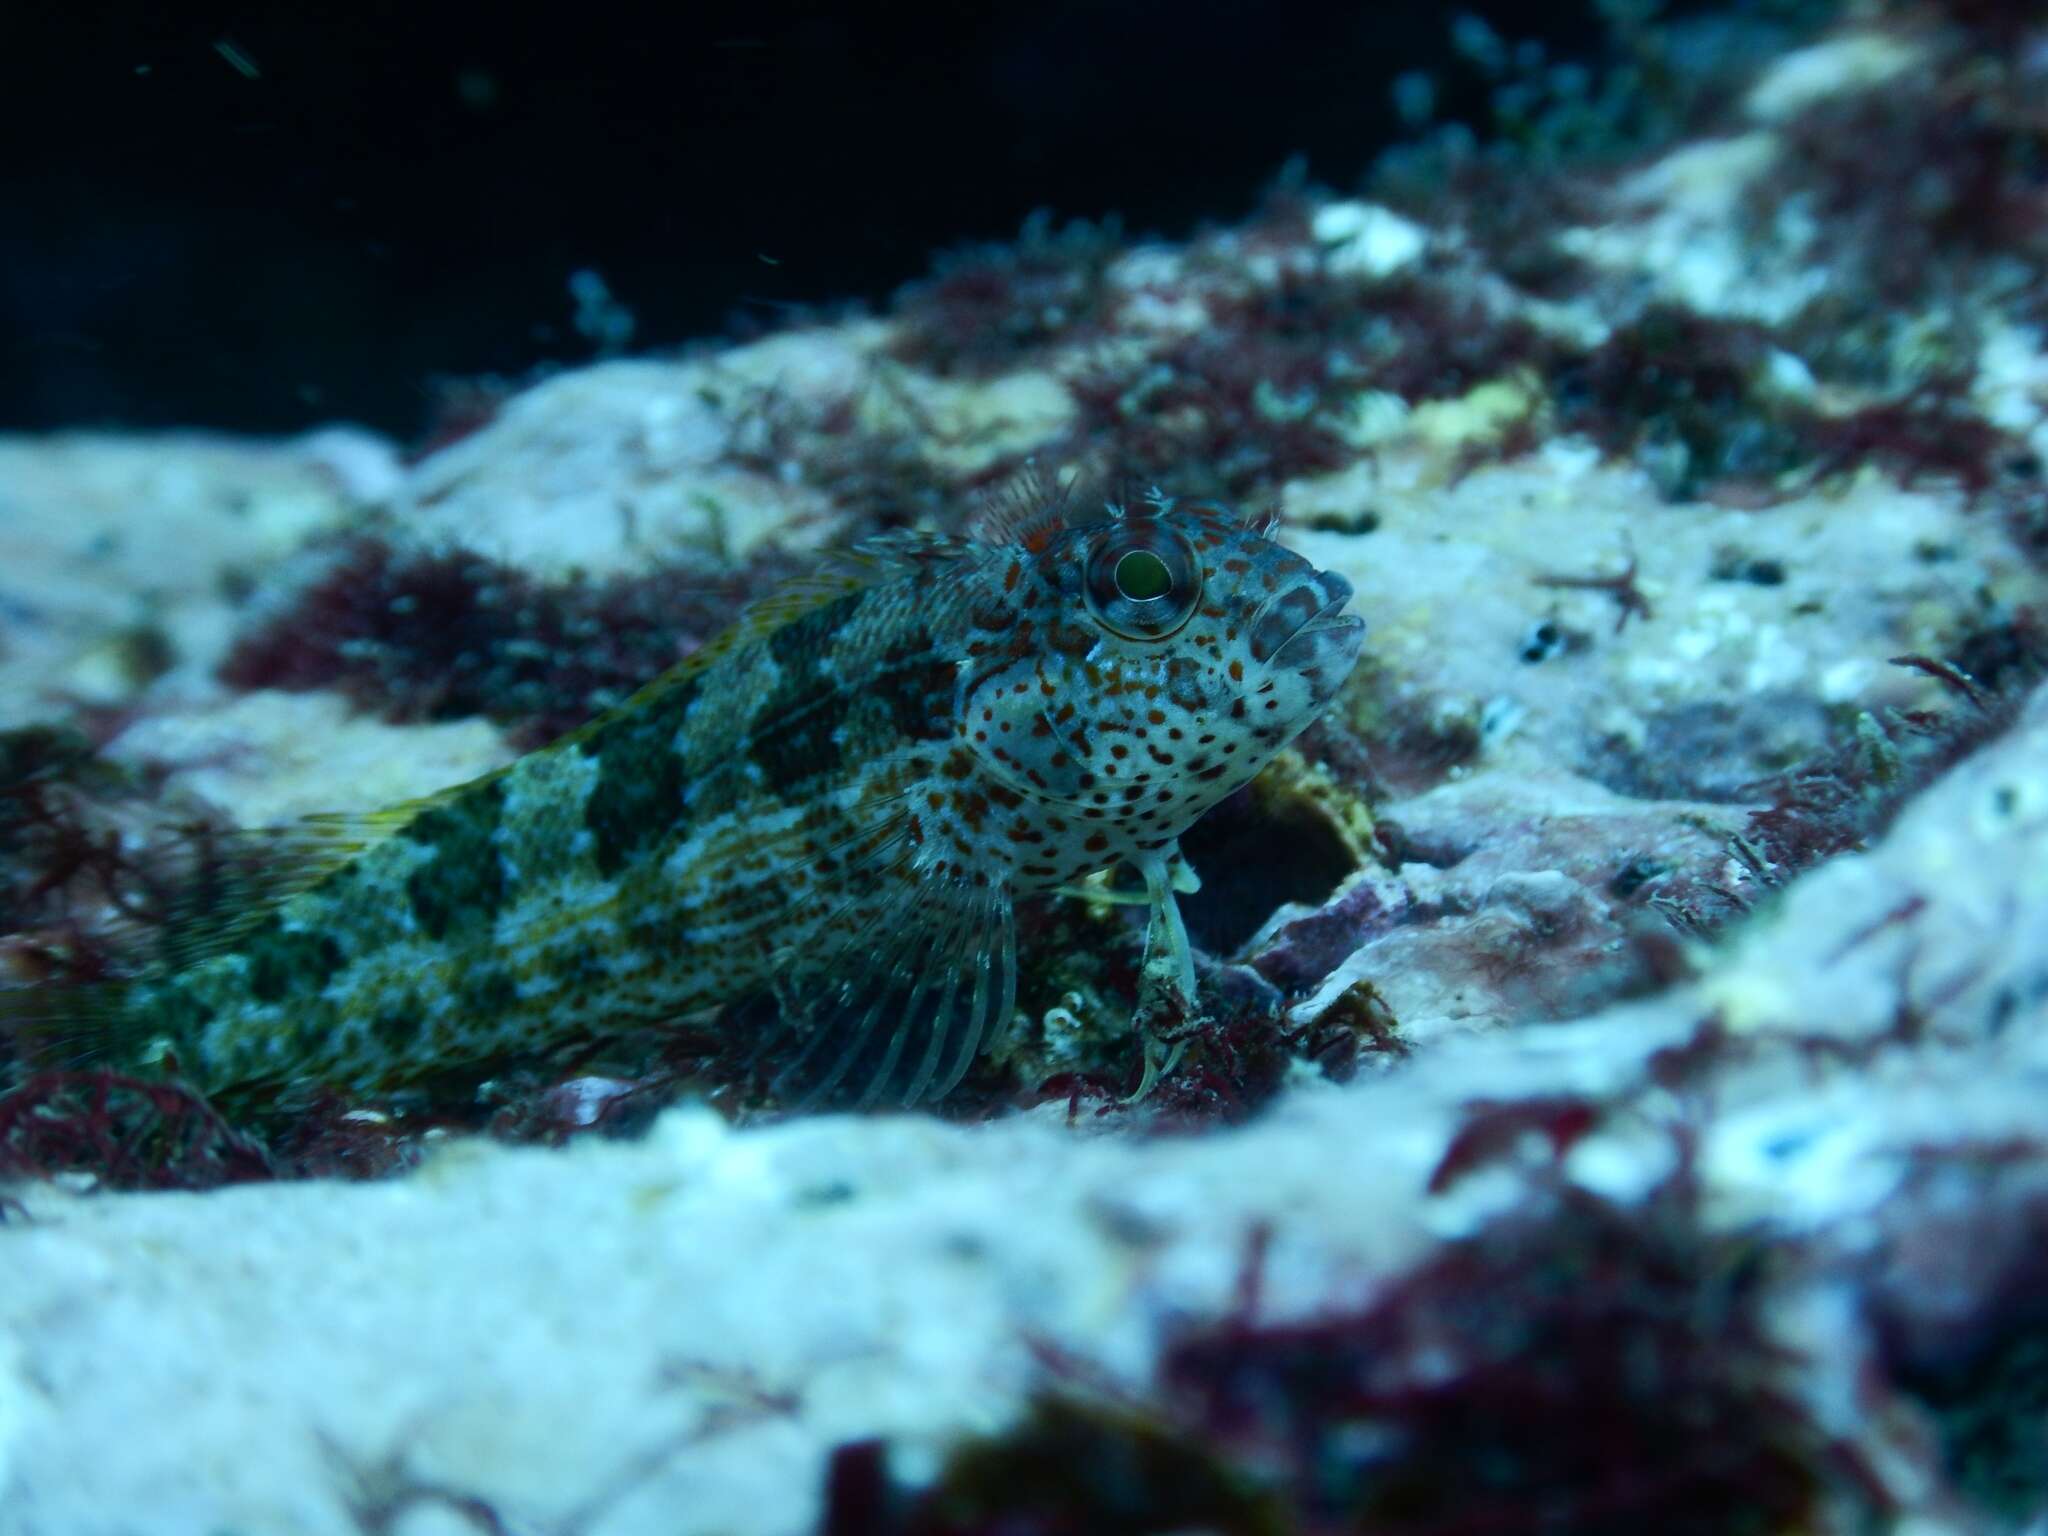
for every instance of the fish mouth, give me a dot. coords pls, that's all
(1330, 616)
(1323, 652)
(1328, 631)
(1307, 619)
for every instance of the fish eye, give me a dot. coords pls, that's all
(1141, 576)
(1143, 580)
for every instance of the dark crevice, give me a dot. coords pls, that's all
(1255, 852)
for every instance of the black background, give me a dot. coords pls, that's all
(399, 194)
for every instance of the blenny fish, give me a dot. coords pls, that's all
(834, 804)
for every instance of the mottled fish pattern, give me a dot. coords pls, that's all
(835, 803)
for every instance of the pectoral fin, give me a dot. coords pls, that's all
(1167, 951)
(1101, 886)
(894, 1012)
(1166, 984)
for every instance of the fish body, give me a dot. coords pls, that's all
(836, 802)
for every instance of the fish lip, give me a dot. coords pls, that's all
(1329, 619)
(1324, 650)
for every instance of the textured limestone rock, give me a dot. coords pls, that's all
(1640, 525)
(668, 1335)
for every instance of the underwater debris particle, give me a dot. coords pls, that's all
(1620, 585)
(235, 58)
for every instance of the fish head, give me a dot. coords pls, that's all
(1168, 652)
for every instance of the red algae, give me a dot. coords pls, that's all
(1584, 1366)
(124, 1132)
(443, 635)
(989, 308)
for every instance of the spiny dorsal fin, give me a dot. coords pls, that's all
(1026, 510)
(886, 556)
(837, 574)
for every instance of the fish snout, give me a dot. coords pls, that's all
(1336, 592)
(1314, 602)
(1307, 630)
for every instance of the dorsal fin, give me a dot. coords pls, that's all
(1026, 510)
(867, 564)
(902, 552)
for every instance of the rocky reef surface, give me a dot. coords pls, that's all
(1618, 1104)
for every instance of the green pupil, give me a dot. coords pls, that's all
(1142, 576)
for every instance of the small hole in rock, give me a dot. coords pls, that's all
(1543, 641)
(1365, 520)
(1731, 564)
(1259, 849)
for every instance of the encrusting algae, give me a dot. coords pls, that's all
(835, 802)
